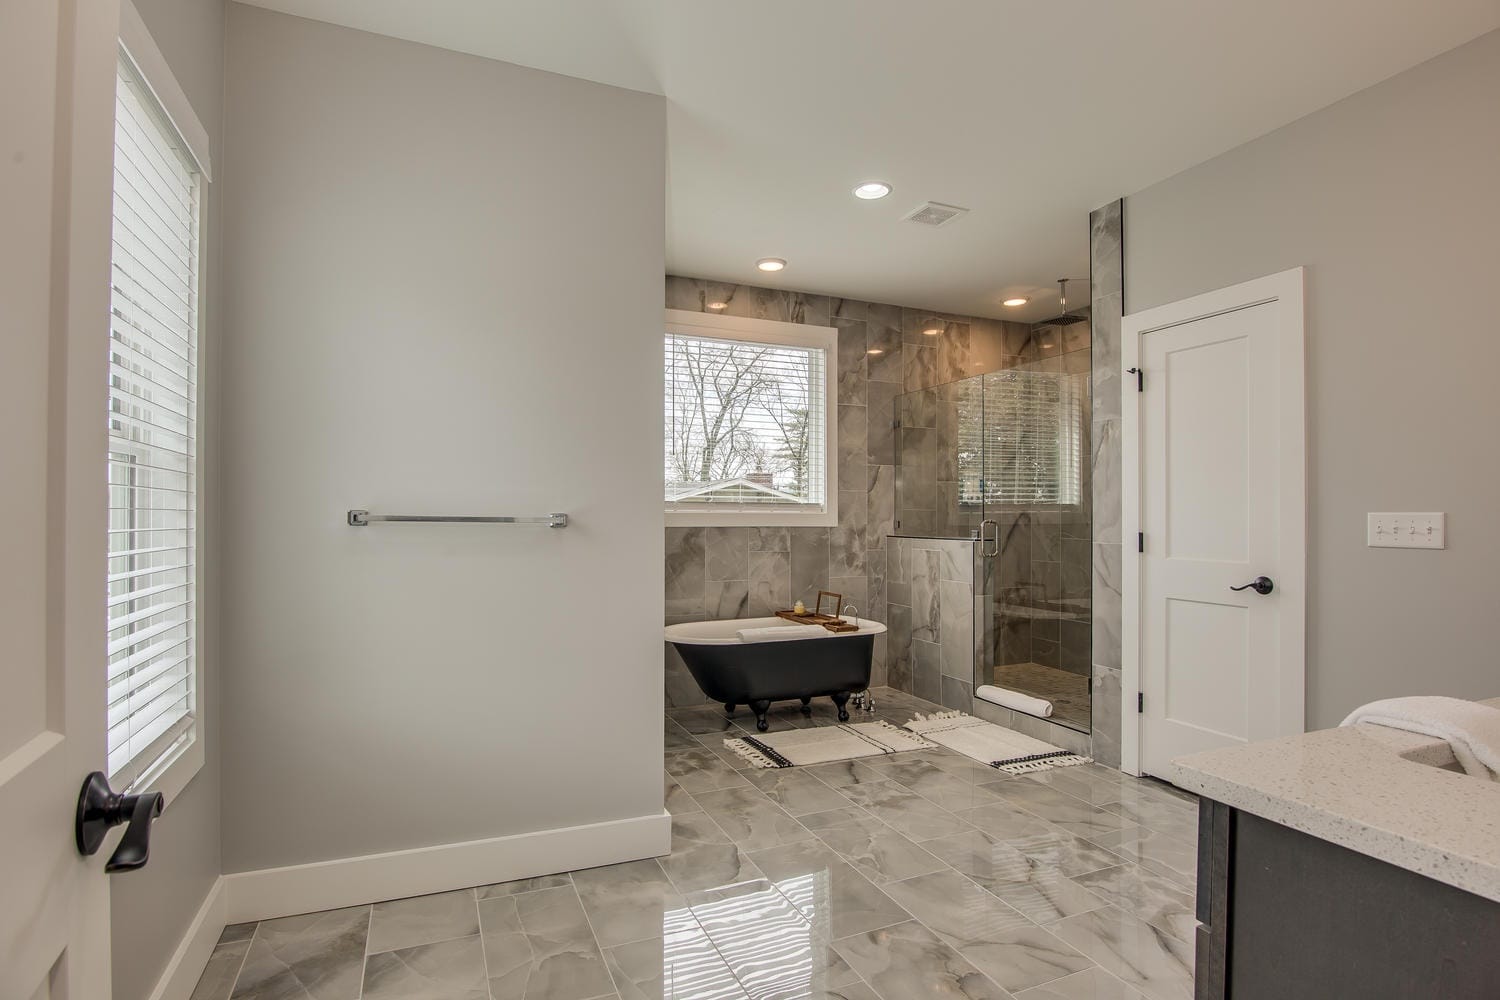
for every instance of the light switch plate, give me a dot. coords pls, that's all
(1406, 531)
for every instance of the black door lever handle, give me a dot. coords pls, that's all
(1262, 585)
(100, 809)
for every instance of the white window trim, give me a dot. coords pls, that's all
(766, 331)
(172, 772)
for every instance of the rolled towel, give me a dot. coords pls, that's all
(1007, 698)
(1472, 730)
(781, 633)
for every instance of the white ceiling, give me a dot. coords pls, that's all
(1028, 113)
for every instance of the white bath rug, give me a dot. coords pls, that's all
(823, 744)
(1006, 749)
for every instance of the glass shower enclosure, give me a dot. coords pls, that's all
(1003, 459)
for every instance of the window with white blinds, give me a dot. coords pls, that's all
(153, 440)
(747, 423)
(1020, 438)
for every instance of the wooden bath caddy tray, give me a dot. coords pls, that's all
(829, 622)
(832, 623)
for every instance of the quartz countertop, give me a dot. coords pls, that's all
(1389, 794)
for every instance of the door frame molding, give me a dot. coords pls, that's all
(1286, 289)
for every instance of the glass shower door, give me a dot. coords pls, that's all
(1027, 469)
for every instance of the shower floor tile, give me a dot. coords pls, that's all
(1068, 692)
(923, 876)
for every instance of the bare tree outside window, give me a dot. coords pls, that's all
(743, 422)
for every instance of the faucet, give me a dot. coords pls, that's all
(850, 607)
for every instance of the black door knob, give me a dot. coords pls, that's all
(99, 809)
(1262, 585)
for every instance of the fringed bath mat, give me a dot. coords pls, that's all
(823, 744)
(996, 746)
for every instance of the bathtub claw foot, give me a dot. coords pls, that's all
(807, 706)
(729, 708)
(760, 708)
(842, 700)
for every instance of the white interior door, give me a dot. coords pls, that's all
(57, 74)
(1219, 452)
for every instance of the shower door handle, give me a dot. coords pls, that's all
(984, 548)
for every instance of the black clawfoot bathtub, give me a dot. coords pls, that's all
(734, 672)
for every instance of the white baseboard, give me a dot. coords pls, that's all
(180, 977)
(326, 885)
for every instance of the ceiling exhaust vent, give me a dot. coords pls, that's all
(934, 213)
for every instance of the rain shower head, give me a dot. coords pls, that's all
(1067, 318)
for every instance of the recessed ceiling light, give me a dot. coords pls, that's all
(875, 350)
(870, 190)
(933, 331)
(1016, 302)
(770, 263)
(718, 305)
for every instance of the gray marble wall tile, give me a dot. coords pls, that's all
(898, 647)
(875, 581)
(848, 308)
(776, 539)
(727, 552)
(848, 541)
(853, 447)
(855, 591)
(956, 631)
(881, 420)
(686, 568)
(927, 670)
(770, 582)
(883, 333)
(957, 694)
(852, 360)
(881, 505)
(921, 366)
(1106, 272)
(1107, 609)
(926, 599)
(809, 563)
(728, 599)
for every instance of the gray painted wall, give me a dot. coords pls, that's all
(151, 909)
(444, 296)
(1390, 198)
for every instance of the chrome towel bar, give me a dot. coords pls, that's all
(360, 518)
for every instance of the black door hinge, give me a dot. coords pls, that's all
(1140, 701)
(1140, 378)
(1140, 541)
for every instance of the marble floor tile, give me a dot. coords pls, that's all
(676, 799)
(1001, 943)
(1090, 984)
(1152, 961)
(844, 773)
(879, 853)
(448, 970)
(1068, 854)
(1005, 821)
(1156, 852)
(406, 923)
(539, 946)
(1160, 902)
(908, 961)
(1039, 892)
(904, 810)
(835, 899)
(706, 720)
(1074, 815)
(1168, 816)
(701, 771)
(237, 932)
(751, 819)
(681, 965)
(523, 885)
(703, 856)
(715, 745)
(773, 950)
(842, 816)
(795, 789)
(223, 968)
(946, 789)
(674, 737)
(627, 902)
(316, 956)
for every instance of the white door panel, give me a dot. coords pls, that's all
(1218, 499)
(56, 130)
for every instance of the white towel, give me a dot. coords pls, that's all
(781, 633)
(1472, 730)
(1007, 698)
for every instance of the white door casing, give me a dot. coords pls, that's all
(1214, 483)
(57, 71)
